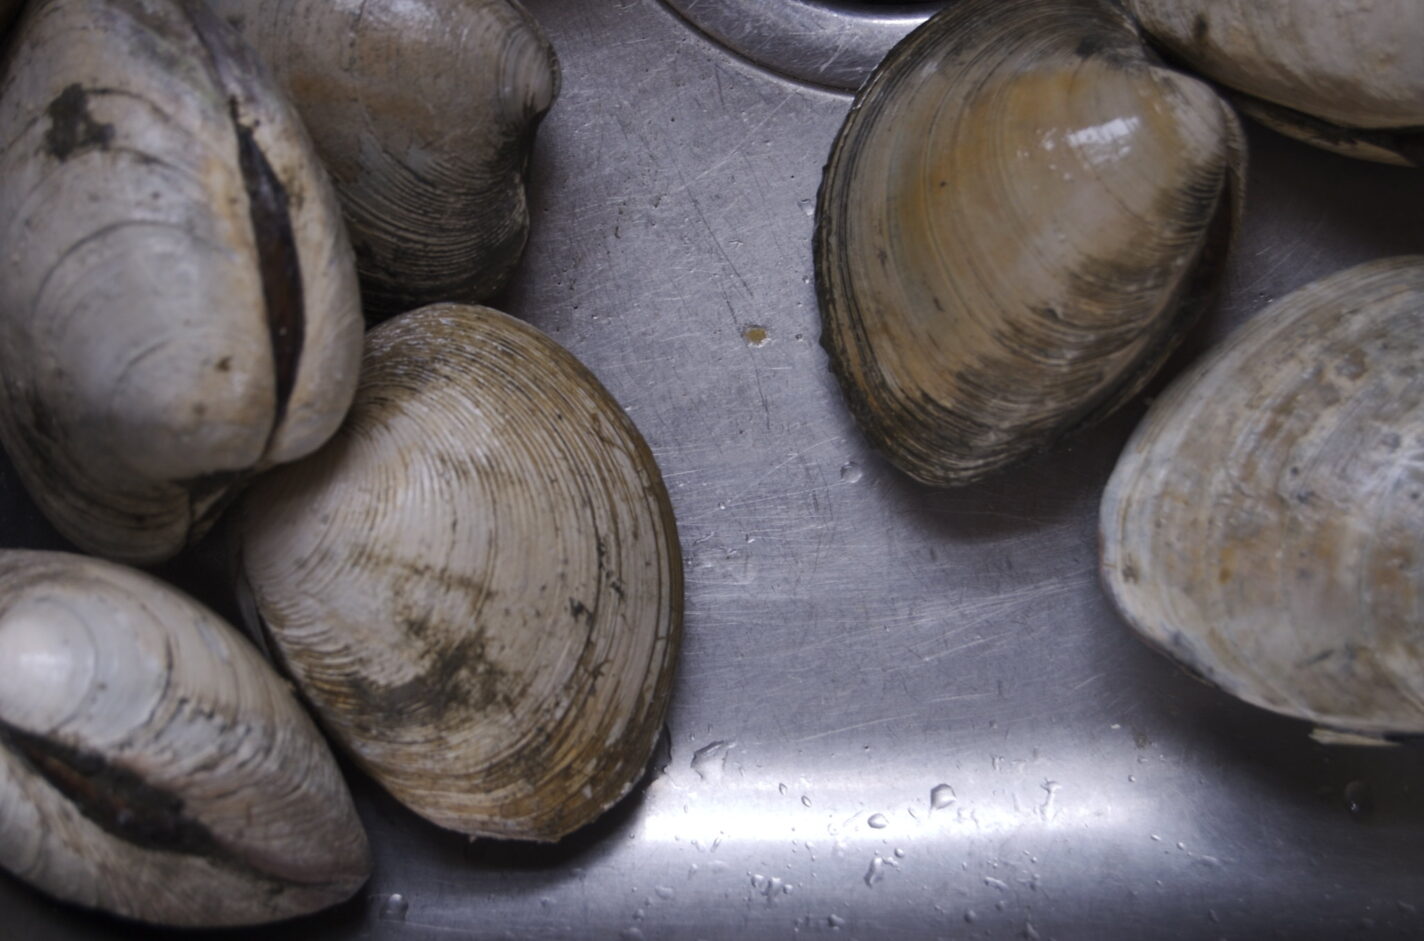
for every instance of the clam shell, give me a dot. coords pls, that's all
(1346, 75)
(477, 582)
(425, 113)
(151, 763)
(1264, 525)
(1020, 215)
(178, 302)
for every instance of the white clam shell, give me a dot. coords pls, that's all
(178, 303)
(1265, 524)
(424, 111)
(1355, 64)
(1020, 215)
(152, 764)
(477, 582)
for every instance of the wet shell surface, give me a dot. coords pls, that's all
(178, 301)
(477, 583)
(1020, 215)
(152, 764)
(1346, 75)
(1265, 525)
(425, 113)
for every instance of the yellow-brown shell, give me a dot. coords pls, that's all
(1265, 524)
(477, 583)
(1020, 214)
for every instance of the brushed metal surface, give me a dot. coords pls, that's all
(855, 641)
(831, 44)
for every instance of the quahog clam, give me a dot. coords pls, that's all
(425, 113)
(178, 301)
(1020, 215)
(1346, 75)
(152, 764)
(477, 582)
(1265, 524)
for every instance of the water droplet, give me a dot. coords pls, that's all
(899, 853)
(808, 206)
(1030, 932)
(1000, 905)
(665, 892)
(709, 761)
(805, 800)
(835, 922)
(878, 821)
(1359, 799)
(756, 335)
(876, 872)
(395, 907)
(1046, 810)
(851, 472)
(1132, 779)
(970, 916)
(941, 796)
(782, 789)
(721, 506)
(770, 887)
(999, 884)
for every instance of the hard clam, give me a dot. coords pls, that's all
(425, 112)
(1346, 75)
(151, 763)
(1019, 217)
(477, 582)
(178, 301)
(1264, 525)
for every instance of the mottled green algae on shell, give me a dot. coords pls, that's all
(477, 584)
(1265, 524)
(1021, 214)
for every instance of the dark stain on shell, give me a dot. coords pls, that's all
(462, 673)
(232, 65)
(73, 129)
(277, 260)
(1200, 28)
(1406, 142)
(114, 798)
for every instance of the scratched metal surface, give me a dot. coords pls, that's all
(855, 641)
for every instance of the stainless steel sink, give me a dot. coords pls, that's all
(857, 643)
